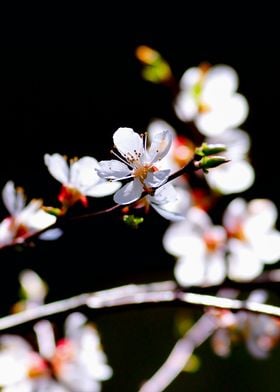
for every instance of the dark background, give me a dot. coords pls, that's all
(66, 85)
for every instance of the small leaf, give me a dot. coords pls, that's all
(133, 221)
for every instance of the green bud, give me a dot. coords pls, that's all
(133, 221)
(209, 149)
(210, 162)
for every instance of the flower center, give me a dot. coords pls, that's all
(141, 172)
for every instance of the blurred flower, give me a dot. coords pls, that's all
(261, 333)
(199, 247)
(33, 291)
(253, 240)
(238, 175)
(137, 163)
(78, 361)
(79, 179)
(25, 220)
(208, 97)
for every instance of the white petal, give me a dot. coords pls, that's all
(13, 199)
(50, 235)
(231, 177)
(267, 247)
(228, 113)
(185, 106)
(199, 219)
(243, 264)
(180, 243)
(262, 215)
(235, 213)
(190, 271)
(113, 170)
(83, 173)
(157, 178)
(129, 193)
(103, 188)
(160, 146)
(165, 194)
(158, 126)
(170, 202)
(45, 338)
(40, 220)
(221, 79)
(169, 215)
(58, 167)
(190, 77)
(128, 141)
(215, 268)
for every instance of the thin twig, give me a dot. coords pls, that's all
(134, 295)
(180, 354)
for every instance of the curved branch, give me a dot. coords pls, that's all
(135, 295)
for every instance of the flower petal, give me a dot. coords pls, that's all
(221, 80)
(232, 177)
(224, 114)
(237, 142)
(190, 77)
(128, 142)
(58, 167)
(113, 170)
(185, 106)
(155, 179)
(179, 240)
(129, 193)
(189, 271)
(243, 264)
(160, 146)
(267, 247)
(261, 217)
(103, 188)
(83, 173)
(13, 198)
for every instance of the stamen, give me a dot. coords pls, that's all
(127, 162)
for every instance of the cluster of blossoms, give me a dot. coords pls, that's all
(75, 362)
(158, 169)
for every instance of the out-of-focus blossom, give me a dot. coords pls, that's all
(33, 291)
(208, 97)
(253, 239)
(199, 247)
(22, 369)
(137, 162)
(240, 249)
(25, 219)
(79, 179)
(261, 333)
(238, 175)
(78, 361)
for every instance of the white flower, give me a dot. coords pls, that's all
(22, 369)
(79, 179)
(253, 240)
(77, 360)
(136, 161)
(199, 247)
(24, 220)
(208, 97)
(238, 175)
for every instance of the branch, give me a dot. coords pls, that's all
(180, 354)
(135, 295)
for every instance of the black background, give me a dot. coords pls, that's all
(66, 84)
